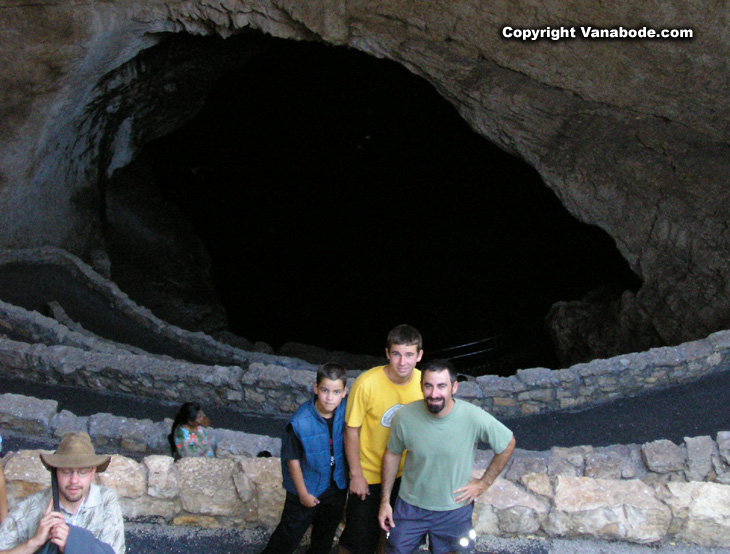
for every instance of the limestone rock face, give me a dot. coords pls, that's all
(207, 486)
(706, 507)
(631, 135)
(264, 474)
(161, 480)
(125, 476)
(505, 506)
(624, 510)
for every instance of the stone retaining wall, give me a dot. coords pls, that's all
(545, 500)
(646, 493)
(48, 350)
(661, 461)
(54, 352)
(274, 388)
(134, 437)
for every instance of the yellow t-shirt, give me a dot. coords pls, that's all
(373, 401)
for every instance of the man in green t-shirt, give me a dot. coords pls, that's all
(437, 492)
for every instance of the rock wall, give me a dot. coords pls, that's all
(660, 461)
(33, 417)
(536, 496)
(632, 135)
(47, 351)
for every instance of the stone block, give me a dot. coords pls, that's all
(67, 422)
(557, 466)
(544, 396)
(135, 433)
(523, 465)
(205, 522)
(27, 415)
(531, 408)
(720, 340)
(635, 361)
(207, 487)
(561, 459)
(470, 391)
(538, 377)
(161, 477)
(230, 444)
(723, 444)
(700, 452)
(265, 474)
(599, 508)
(603, 465)
(157, 439)
(125, 476)
(614, 462)
(538, 484)
(663, 456)
(509, 508)
(502, 401)
(26, 465)
(494, 385)
(244, 486)
(106, 429)
(146, 506)
(704, 509)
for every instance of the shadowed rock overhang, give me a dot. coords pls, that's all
(631, 135)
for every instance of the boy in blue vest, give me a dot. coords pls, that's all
(314, 467)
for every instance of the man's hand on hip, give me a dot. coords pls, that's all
(469, 493)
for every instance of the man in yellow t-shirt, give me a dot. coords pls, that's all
(375, 397)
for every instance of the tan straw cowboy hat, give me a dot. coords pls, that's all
(75, 451)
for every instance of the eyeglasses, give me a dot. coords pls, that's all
(66, 472)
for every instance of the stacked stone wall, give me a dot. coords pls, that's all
(661, 461)
(36, 347)
(536, 496)
(275, 388)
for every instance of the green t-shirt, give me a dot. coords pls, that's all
(441, 450)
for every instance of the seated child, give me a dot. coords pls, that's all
(189, 436)
(314, 467)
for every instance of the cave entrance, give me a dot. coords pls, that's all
(339, 195)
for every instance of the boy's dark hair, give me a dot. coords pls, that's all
(404, 335)
(333, 372)
(438, 366)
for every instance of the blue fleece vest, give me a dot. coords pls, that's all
(312, 430)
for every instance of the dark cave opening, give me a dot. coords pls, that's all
(339, 195)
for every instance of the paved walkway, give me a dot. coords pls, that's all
(690, 410)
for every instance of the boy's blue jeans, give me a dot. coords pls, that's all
(296, 519)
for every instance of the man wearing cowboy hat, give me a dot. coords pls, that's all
(89, 520)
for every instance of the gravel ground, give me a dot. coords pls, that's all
(149, 538)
